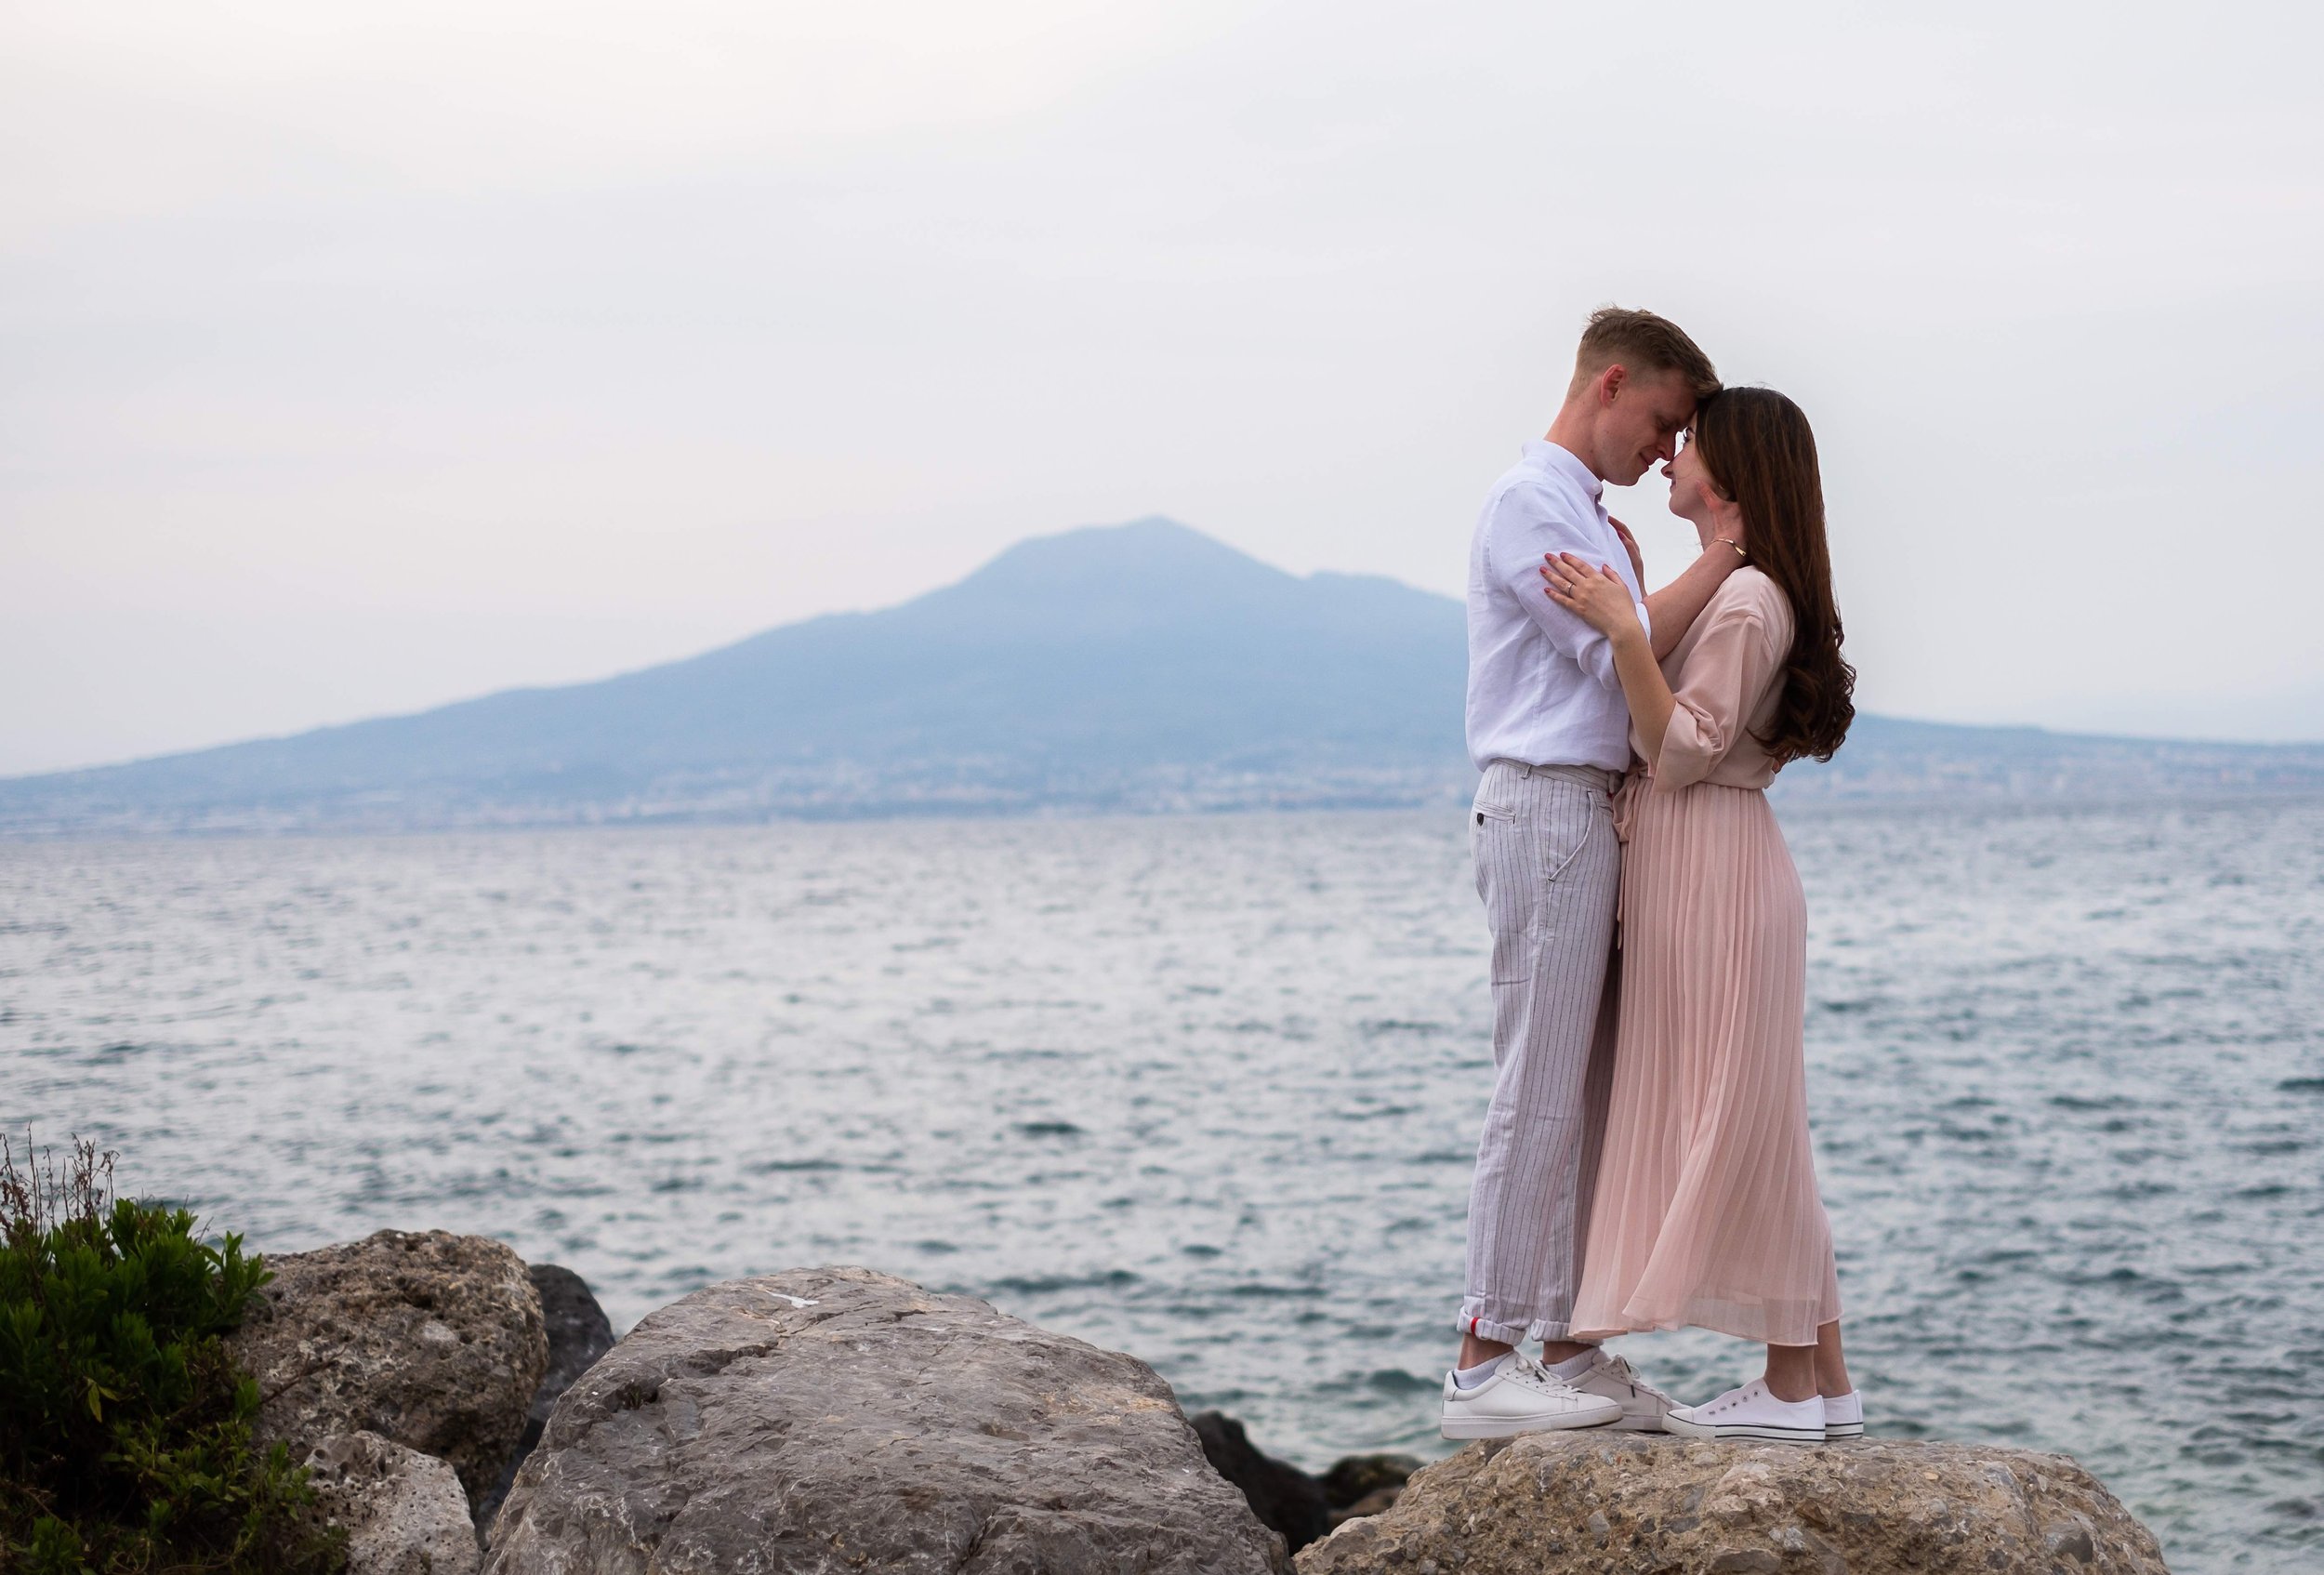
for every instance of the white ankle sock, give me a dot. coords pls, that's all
(1574, 1367)
(1470, 1377)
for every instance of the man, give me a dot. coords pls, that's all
(1549, 730)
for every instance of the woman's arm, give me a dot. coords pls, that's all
(1678, 604)
(1600, 598)
(1643, 686)
(1736, 655)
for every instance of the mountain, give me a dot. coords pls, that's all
(1133, 666)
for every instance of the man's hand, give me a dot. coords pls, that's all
(1637, 563)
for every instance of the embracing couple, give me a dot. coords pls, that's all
(1646, 1160)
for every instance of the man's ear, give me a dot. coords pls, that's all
(1611, 382)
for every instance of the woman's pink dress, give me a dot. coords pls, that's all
(1706, 1212)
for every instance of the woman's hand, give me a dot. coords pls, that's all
(1597, 596)
(1630, 545)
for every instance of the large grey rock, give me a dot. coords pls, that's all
(429, 1339)
(838, 1419)
(1576, 1503)
(405, 1513)
(578, 1333)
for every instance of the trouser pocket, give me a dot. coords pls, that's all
(1520, 855)
(1513, 898)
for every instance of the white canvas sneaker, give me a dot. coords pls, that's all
(1521, 1396)
(1751, 1413)
(1843, 1415)
(1612, 1378)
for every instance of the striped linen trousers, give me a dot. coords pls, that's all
(1549, 868)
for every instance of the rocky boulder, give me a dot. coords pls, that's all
(578, 1333)
(1602, 1503)
(405, 1513)
(1366, 1484)
(839, 1419)
(431, 1340)
(1285, 1499)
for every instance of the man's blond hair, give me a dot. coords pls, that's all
(1644, 343)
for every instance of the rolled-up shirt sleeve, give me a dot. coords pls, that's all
(1528, 525)
(1726, 674)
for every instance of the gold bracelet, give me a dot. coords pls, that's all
(1732, 542)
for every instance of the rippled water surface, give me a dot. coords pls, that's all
(1206, 1089)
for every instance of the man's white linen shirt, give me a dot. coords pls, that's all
(1542, 688)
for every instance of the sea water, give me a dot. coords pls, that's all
(1207, 1090)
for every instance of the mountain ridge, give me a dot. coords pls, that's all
(1142, 666)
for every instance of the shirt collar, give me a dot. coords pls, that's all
(1556, 456)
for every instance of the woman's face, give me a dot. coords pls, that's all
(1693, 493)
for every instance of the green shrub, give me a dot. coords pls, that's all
(125, 1427)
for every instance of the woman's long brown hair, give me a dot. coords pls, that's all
(1761, 452)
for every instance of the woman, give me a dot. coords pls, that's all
(1706, 1210)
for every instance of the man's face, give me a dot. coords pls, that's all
(1639, 423)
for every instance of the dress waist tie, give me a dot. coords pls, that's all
(1640, 780)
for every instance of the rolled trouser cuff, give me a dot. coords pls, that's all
(1510, 1333)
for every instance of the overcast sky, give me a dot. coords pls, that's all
(356, 358)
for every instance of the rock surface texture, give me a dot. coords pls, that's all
(838, 1419)
(429, 1339)
(405, 1513)
(578, 1334)
(1366, 1484)
(1288, 1500)
(578, 1331)
(1285, 1499)
(1571, 1502)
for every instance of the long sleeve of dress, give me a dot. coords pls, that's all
(1726, 675)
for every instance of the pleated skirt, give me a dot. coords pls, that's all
(1705, 1211)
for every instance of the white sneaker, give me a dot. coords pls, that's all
(1521, 1396)
(1843, 1415)
(1751, 1413)
(1612, 1378)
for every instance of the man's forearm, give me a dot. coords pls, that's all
(1673, 609)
